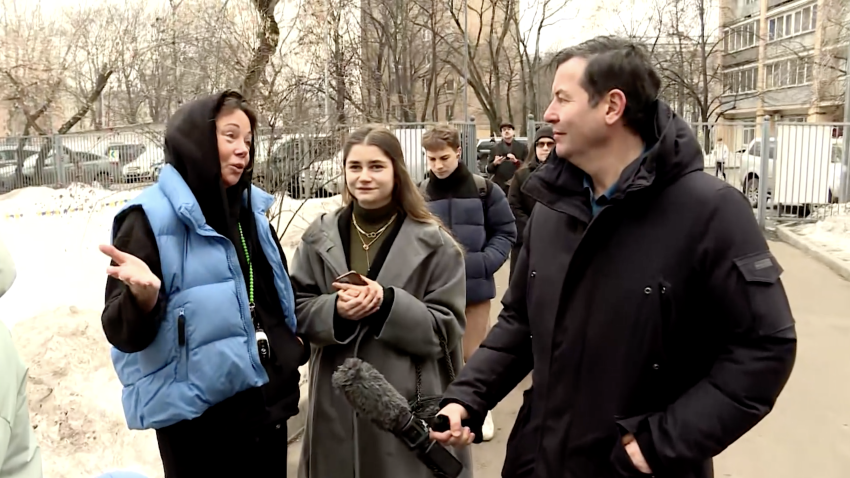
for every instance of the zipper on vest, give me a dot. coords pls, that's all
(182, 349)
(181, 329)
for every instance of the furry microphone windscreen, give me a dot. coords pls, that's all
(370, 394)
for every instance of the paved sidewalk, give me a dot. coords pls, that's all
(808, 433)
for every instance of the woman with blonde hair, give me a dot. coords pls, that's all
(379, 279)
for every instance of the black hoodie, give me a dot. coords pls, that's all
(663, 316)
(191, 147)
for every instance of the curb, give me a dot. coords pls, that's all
(817, 252)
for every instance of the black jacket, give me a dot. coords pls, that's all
(521, 203)
(192, 148)
(502, 173)
(663, 316)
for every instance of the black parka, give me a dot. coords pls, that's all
(663, 316)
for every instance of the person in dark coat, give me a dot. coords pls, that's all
(480, 217)
(506, 157)
(646, 303)
(199, 306)
(521, 203)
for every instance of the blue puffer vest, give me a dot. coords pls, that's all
(205, 350)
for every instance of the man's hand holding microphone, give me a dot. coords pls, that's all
(457, 435)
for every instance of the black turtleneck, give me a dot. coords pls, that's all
(369, 220)
(459, 184)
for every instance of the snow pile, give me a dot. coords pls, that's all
(54, 309)
(77, 196)
(831, 233)
(74, 399)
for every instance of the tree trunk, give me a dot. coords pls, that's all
(269, 38)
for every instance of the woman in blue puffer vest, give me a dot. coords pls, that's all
(199, 306)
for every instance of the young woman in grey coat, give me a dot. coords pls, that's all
(404, 321)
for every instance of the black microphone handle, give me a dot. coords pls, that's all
(440, 423)
(438, 459)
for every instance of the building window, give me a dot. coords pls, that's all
(794, 119)
(740, 81)
(792, 23)
(749, 134)
(789, 72)
(449, 113)
(742, 36)
(450, 85)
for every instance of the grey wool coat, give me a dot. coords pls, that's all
(426, 271)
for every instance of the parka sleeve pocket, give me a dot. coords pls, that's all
(760, 267)
(769, 306)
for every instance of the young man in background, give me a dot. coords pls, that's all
(480, 219)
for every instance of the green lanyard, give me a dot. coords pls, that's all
(250, 270)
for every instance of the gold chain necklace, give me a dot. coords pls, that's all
(374, 236)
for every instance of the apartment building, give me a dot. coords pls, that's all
(784, 58)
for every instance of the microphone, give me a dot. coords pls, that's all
(372, 397)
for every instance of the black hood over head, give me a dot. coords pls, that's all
(191, 146)
(672, 151)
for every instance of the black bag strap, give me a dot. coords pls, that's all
(449, 367)
(423, 188)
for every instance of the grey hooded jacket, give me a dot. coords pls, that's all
(20, 456)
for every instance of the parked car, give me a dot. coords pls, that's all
(9, 164)
(9, 154)
(323, 178)
(123, 152)
(290, 157)
(483, 149)
(70, 166)
(145, 168)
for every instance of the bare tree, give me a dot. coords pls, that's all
(269, 37)
(528, 32)
(490, 51)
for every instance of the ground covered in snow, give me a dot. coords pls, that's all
(54, 312)
(831, 232)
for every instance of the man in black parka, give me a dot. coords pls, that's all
(646, 303)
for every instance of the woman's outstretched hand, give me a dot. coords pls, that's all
(131, 270)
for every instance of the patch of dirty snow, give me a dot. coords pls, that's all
(832, 233)
(75, 398)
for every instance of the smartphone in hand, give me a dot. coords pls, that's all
(351, 277)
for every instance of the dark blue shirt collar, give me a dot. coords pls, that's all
(597, 203)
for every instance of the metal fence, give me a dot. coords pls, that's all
(802, 174)
(301, 163)
(533, 126)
